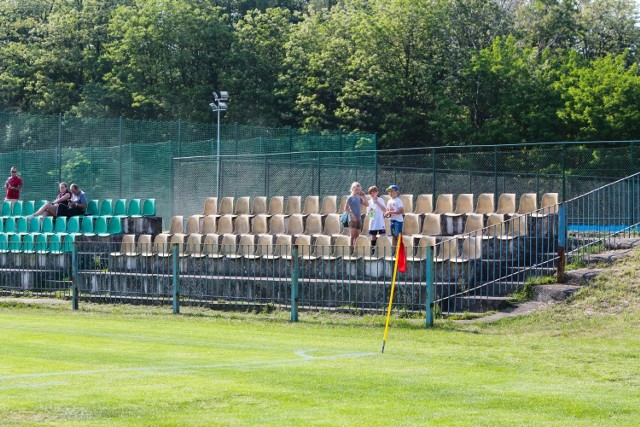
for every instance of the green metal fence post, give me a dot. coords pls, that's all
(120, 159)
(429, 283)
(294, 284)
(74, 277)
(266, 175)
(60, 147)
(433, 169)
(176, 281)
(319, 169)
(495, 175)
(179, 139)
(564, 172)
(562, 240)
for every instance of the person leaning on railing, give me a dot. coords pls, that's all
(77, 204)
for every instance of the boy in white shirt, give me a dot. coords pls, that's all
(376, 211)
(395, 212)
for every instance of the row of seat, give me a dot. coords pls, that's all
(105, 207)
(87, 225)
(316, 224)
(36, 243)
(423, 204)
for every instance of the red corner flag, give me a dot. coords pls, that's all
(402, 256)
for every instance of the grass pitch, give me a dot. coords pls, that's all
(574, 364)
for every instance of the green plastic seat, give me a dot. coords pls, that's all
(67, 245)
(15, 243)
(34, 224)
(120, 207)
(106, 207)
(47, 224)
(73, 225)
(29, 207)
(41, 243)
(115, 227)
(28, 243)
(6, 208)
(87, 225)
(10, 225)
(1, 225)
(4, 243)
(55, 244)
(134, 208)
(40, 203)
(149, 207)
(100, 226)
(60, 225)
(17, 208)
(22, 225)
(93, 208)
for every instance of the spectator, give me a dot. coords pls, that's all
(376, 211)
(51, 208)
(77, 203)
(354, 202)
(395, 212)
(13, 185)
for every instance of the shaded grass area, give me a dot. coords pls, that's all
(571, 364)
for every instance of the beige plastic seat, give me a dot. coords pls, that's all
(193, 224)
(243, 206)
(276, 225)
(294, 205)
(421, 251)
(471, 249)
(194, 245)
(431, 225)
(408, 247)
(211, 246)
(448, 250)
(485, 204)
(361, 249)
(209, 225)
(264, 246)
(246, 247)
(506, 204)
(161, 245)
(517, 226)
(276, 205)
(303, 244)
(178, 240)
(313, 225)
(229, 245)
(474, 224)
(259, 206)
(384, 248)
(242, 224)
(528, 203)
(343, 203)
(342, 246)
(210, 207)
(329, 205)
(424, 204)
(407, 202)
(548, 205)
(225, 224)
(260, 224)
(444, 204)
(295, 225)
(177, 224)
(226, 206)
(464, 204)
(386, 198)
(127, 246)
(145, 245)
(282, 248)
(323, 249)
(311, 205)
(332, 225)
(411, 224)
(496, 227)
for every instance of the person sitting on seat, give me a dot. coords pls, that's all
(51, 208)
(77, 203)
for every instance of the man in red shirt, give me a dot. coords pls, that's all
(13, 185)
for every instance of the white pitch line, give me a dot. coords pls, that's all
(304, 358)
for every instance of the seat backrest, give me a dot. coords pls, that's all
(22, 225)
(60, 225)
(69, 240)
(411, 224)
(73, 224)
(313, 224)
(144, 245)
(423, 243)
(149, 207)
(464, 204)
(424, 204)
(177, 224)
(34, 225)
(10, 225)
(243, 206)
(311, 205)
(93, 207)
(409, 248)
(528, 203)
(496, 226)
(247, 245)
(322, 247)
(303, 244)
(518, 226)
(264, 247)
(161, 244)
(29, 207)
(283, 245)
(101, 225)
(259, 205)
(276, 224)
(115, 225)
(229, 245)
(475, 223)
(17, 208)
(472, 248)
(120, 207)
(448, 249)
(295, 224)
(407, 202)
(194, 244)
(431, 225)
(242, 224)
(549, 203)
(444, 204)
(343, 202)
(362, 247)
(41, 243)
(106, 207)
(28, 243)
(193, 224)
(384, 247)
(293, 205)
(179, 240)
(226, 206)
(15, 242)
(210, 206)
(134, 207)
(6, 208)
(485, 203)
(211, 245)
(128, 244)
(225, 225)
(332, 224)
(342, 246)
(209, 224)
(506, 203)
(87, 224)
(260, 224)
(276, 205)
(329, 205)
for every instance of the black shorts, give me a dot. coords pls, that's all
(65, 210)
(377, 232)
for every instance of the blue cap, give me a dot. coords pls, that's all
(393, 187)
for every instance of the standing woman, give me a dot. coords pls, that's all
(353, 206)
(51, 208)
(13, 185)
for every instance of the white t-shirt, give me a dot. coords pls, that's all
(376, 216)
(394, 205)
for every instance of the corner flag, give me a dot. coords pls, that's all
(402, 256)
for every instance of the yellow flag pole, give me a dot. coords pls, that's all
(393, 286)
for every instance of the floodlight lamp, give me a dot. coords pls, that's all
(213, 106)
(222, 106)
(224, 95)
(215, 96)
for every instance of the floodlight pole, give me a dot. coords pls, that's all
(217, 106)
(218, 155)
